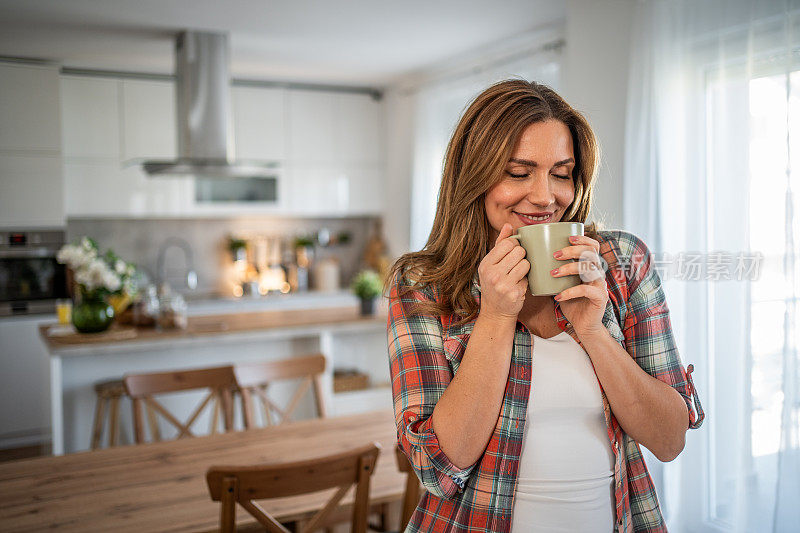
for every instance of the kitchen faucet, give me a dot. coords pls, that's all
(188, 261)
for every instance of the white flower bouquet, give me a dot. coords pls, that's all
(97, 275)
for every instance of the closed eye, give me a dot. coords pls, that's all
(519, 176)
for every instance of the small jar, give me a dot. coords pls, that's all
(146, 309)
(173, 313)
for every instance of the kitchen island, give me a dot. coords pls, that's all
(78, 361)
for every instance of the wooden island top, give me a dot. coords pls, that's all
(63, 340)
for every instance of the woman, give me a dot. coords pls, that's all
(520, 412)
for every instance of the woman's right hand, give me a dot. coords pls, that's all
(502, 277)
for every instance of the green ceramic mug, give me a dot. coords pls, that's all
(540, 241)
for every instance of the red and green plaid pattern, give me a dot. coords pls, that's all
(424, 354)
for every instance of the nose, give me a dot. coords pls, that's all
(540, 192)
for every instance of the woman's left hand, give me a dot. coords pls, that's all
(584, 305)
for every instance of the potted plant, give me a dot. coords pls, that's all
(367, 285)
(97, 277)
(237, 248)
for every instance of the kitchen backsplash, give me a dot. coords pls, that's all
(139, 241)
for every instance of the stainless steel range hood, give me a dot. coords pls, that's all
(205, 134)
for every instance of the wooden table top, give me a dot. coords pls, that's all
(162, 487)
(199, 326)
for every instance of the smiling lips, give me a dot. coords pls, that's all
(534, 218)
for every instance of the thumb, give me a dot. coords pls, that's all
(505, 232)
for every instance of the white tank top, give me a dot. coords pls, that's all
(566, 470)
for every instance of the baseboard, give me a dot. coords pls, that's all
(20, 439)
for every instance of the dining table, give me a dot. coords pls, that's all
(162, 486)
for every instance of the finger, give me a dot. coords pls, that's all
(505, 232)
(513, 257)
(574, 252)
(586, 269)
(583, 239)
(520, 270)
(591, 292)
(502, 249)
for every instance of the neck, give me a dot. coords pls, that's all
(536, 304)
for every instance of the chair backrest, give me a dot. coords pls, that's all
(220, 381)
(253, 380)
(244, 484)
(413, 493)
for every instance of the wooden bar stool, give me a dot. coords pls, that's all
(108, 394)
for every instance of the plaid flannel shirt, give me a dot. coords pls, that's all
(424, 355)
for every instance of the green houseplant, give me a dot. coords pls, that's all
(367, 285)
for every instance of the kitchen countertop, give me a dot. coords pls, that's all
(221, 328)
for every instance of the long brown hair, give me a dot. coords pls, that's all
(477, 154)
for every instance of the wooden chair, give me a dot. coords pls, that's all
(253, 380)
(108, 394)
(141, 388)
(413, 492)
(244, 484)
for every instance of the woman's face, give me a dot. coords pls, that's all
(537, 186)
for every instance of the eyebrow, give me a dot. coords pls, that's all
(530, 163)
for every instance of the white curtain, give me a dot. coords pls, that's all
(711, 135)
(439, 105)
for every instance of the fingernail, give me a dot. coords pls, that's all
(573, 238)
(554, 271)
(557, 254)
(557, 297)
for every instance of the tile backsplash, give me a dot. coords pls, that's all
(139, 240)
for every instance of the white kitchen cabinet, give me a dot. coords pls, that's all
(31, 190)
(90, 117)
(29, 108)
(24, 382)
(312, 128)
(259, 119)
(96, 187)
(317, 189)
(334, 189)
(328, 145)
(335, 165)
(148, 119)
(365, 189)
(357, 134)
(328, 127)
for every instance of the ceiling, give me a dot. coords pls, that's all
(348, 42)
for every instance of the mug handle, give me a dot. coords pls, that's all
(516, 237)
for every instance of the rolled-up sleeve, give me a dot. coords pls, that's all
(648, 330)
(420, 374)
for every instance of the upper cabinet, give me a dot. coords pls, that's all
(31, 176)
(357, 133)
(259, 119)
(334, 127)
(29, 108)
(148, 118)
(311, 126)
(327, 144)
(91, 119)
(335, 163)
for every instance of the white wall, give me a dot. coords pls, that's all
(595, 80)
(399, 113)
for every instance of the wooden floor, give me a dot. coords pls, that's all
(26, 452)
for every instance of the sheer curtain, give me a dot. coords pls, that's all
(439, 104)
(711, 135)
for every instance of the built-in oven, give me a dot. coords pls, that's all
(31, 279)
